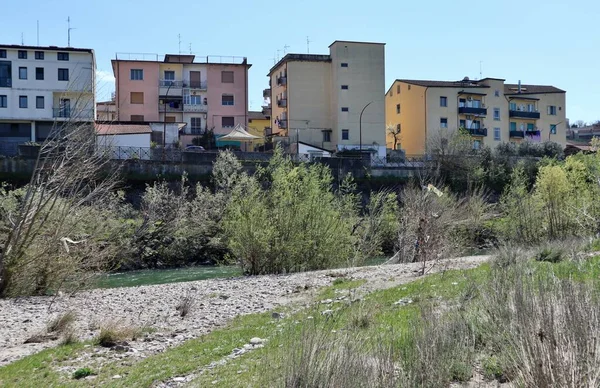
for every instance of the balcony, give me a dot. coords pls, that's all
(200, 85)
(195, 108)
(267, 93)
(478, 131)
(533, 133)
(196, 131)
(80, 114)
(165, 83)
(282, 124)
(282, 102)
(5, 82)
(523, 114)
(170, 107)
(516, 134)
(466, 110)
(170, 87)
(281, 80)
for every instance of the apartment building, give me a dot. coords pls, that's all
(44, 86)
(490, 109)
(208, 93)
(333, 101)
(106, 110)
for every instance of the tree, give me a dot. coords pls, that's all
(394, 130)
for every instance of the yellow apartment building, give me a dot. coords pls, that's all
(333, 102)
(491, 110)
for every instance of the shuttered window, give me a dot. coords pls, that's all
(137, 117)
(137, 97)
(227, 122)
(227, 77)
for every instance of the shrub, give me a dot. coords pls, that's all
(83, 372)
(62, 323)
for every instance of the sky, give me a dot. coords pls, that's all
(547, 42)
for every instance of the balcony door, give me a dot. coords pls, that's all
(65, 107)
(195, 81)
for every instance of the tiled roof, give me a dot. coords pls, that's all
(256, 115)
(530, 89)
(442, 84)
(122, 129)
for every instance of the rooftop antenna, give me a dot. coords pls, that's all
(190, 49)
(307, 45)
(38, 32)
(274, 59)
(278, 51)
(480, 70)
(179, 36)
(285, 49)
(69, 28)
(22, 40)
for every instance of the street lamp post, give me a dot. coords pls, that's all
(360, 127)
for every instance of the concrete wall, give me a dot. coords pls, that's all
(365, 77)
(278, 112)
(128, 140)
(216, 89)
(125, 85)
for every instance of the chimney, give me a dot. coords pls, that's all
(519, 89)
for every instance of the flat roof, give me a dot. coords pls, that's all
(355, 42)
(301, 58)
(50, 48)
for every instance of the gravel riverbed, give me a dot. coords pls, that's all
(215, 303)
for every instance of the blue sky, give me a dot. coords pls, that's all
(545, 42)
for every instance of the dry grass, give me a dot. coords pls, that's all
(113, 333)
(185, 305)
(62, 323)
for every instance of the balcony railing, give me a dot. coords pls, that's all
(517, 134)
(472, 111)
(282, 102)
(5, 82)
(533, 132)
(167, 108)
(196, 131)
(83, 114)
(524, 114)
(282, 123)
(202, 85)
(195, 108)
(281, 80)
(478, 131)
(165, 83)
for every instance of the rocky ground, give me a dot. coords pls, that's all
(215, 302)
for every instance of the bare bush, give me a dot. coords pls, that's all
(53, 242)
(185, 305)
(114, 333)
(62, 323)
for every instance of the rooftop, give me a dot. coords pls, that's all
(256, 115)
(531, 89)
(464, 83)
(509, 89)
(49, 48)
(355, 42)
(122, 129)
(301, 58)
(182, 58)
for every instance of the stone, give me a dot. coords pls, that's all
(179, 379)
(327, 301)
(116, 377)
(256, 341)
(327, 312)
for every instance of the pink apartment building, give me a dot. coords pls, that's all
(206, 94)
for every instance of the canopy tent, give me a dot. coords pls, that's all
(240, 134)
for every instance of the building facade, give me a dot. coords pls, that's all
(44, 86)
(106, 111)
(210, 93)
(333, 101)
(418, 111)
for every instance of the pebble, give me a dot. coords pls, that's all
(179, 379)
(256, 341)
(116, 377)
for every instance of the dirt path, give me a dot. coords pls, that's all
(216, 302)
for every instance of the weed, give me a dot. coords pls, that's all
(82, 372)
(62, 323)
(112, 334)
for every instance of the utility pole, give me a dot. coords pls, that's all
(38, 32)
(69, 31)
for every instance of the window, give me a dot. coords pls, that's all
(62, 56)
(391, 93)
(345, 134)
(408, 87)
(513, 106)
(530, 107)
(22, 73)
(170, 119)
(398, 89)
(39, 102)
(195, 100)
(476, 144)
(63, 74)
(398, 127)
(136, 74)
(443, 122)
(137, 97)
(3, 101)
(39, 55)
(553, 129)
(227, 122)
(397, 108)
(497, 114)
(513, 126)
(39, 73)
(196, 123)
(137, 117)
(344, 109)
(496, 93)
(22, 101)
(2, 53)
(462, 124)
(22, 54)
(552, 110)
(169, 75)
(344, 87)
(344, 64)
(326, 136)
(227, 77)
(5, 74)
(227, 99)
(443, 101)
(530, 127)
(497, 134)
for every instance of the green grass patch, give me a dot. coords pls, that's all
(338, 285)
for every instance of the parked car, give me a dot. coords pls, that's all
(194, 148)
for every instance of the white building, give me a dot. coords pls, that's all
(44, 86)
(321, 97)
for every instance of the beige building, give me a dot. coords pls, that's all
(491, 110)
(106, 111)
(320, 98)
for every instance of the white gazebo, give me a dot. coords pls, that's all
(238, 133)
